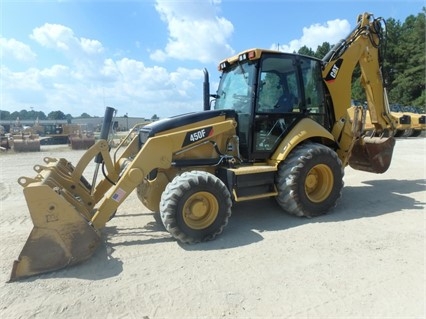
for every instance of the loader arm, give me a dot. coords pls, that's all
(62, 203)
(156, 153)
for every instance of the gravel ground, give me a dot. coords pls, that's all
(365, 259)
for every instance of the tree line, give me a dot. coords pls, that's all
(33, 115)
(54, 115)
(404, 69)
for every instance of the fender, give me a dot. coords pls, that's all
(304, 130)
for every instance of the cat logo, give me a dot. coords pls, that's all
(332, 75)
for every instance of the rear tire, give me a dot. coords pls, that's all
(309, 180)
(195, 207)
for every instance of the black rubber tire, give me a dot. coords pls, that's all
(416, 133)
(206, 201)
(399, 133)
(407, 133)
(309, 180)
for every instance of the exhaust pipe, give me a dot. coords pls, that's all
(106, 128)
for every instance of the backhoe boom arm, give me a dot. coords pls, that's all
(361, 47)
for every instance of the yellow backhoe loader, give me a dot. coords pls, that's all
(403, 126)
(277, 126)
(401, 122)
(417, 120)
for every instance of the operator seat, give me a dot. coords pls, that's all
(285, 103)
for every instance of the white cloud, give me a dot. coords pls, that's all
(154, 87)
(22, 81)
(196, 32)
(79, 76)
(317, 34)
(88, 79)
(86, 55)
(62, 38)
(91, 46)
(126, 84)
(11, 48)
(55, 72)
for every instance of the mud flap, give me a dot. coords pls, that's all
(61, 236)
(372, 154)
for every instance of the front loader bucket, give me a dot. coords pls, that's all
(372, 154)
(61, 235)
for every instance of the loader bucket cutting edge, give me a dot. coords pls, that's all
(372, 154)
(61, 236)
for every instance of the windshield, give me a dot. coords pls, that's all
(234, 90)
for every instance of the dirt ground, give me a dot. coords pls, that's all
(365, 259)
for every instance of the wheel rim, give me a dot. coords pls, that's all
(319, 183)
(200, 210)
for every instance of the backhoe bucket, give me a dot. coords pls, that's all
(372, 154)
(61, 235)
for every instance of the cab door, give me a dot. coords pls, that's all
(277, 102)
(297, 77)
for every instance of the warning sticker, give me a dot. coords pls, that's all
(118, 195)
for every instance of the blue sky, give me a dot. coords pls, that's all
(146, 57)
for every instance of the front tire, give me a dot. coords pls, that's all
(309, 180)
(195, 207)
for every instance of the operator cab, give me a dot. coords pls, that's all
(270, 91)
